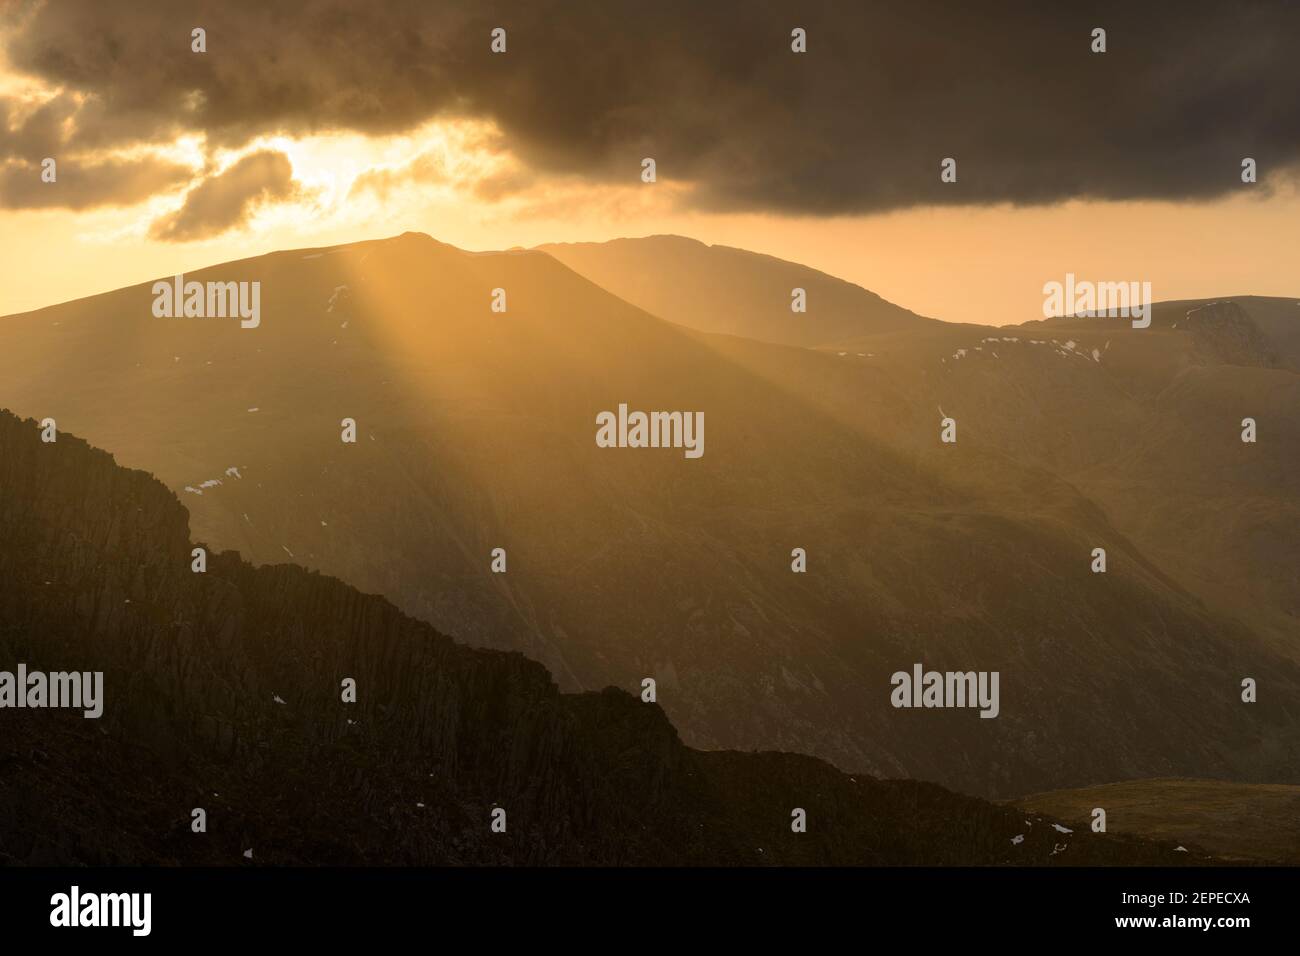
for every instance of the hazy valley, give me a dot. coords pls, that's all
(476, 431)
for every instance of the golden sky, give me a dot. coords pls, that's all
(171, 160)
(971, 264)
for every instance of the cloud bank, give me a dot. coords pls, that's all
(712, 91)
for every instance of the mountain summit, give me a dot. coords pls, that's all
(721, 289)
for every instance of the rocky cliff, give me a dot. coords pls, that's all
(222, 692)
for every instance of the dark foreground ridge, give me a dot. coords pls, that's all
(222, 692)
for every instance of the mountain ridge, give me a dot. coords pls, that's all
(475, 431)
(222, 694)
(662, 274)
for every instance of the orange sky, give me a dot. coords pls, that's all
(456, 183)
(192, 134)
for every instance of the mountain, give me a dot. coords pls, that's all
(477, 431)
(1147, 424)
(222, 693)
(1234, 821)
(1252, 531)
(731, 291)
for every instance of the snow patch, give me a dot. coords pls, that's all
(335, 296)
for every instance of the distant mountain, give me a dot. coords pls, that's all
(477, 431)
(222, 693)
(1239, 330)
(721, 289)
(1252, 822)
(1147, 424)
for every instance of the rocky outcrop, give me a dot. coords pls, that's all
(223, 692)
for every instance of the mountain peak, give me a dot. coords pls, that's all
(719, 288)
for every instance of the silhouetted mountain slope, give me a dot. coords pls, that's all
(721, 289)
(477, 431)
(222, 692)
(1235, 821)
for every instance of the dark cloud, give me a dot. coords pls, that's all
(110, 182)
(36, 132)
(712, 91)
(226, 200)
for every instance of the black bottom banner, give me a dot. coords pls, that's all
(242, 905)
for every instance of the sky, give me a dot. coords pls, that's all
(325, 122)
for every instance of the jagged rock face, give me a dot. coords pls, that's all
(222, 692)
